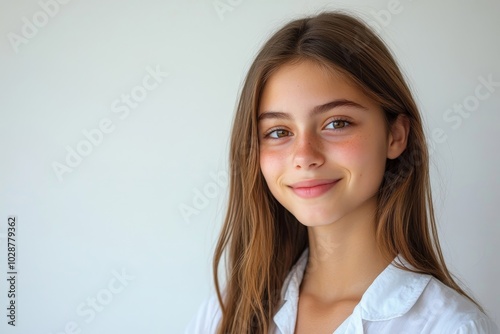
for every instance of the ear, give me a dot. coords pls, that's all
(398, 136)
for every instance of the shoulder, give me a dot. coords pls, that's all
(401, 300)
(207, 318)
(446, 311)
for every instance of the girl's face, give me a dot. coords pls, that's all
(323, 143)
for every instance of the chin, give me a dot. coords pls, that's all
(315, 219)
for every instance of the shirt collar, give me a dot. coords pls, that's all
(391, 295)
(286, 316)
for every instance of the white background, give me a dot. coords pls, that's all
(119, 209)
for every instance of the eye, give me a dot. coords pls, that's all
(278, 133)
(337, 124)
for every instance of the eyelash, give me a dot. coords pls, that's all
(347, 124)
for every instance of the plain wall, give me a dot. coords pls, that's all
(105, 246)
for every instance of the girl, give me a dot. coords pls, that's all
(330, 225)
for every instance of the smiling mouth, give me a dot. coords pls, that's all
(313, 188)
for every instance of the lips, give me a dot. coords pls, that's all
(313, 188)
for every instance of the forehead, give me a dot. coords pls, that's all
(305, 84)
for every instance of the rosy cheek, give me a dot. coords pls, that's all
(268, 163)
(361, 155)
(274, 163)
(350, 152)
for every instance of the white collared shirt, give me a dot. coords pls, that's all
(398, 301)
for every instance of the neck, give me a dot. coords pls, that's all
(343, 256)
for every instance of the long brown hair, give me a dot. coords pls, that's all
(261, 239)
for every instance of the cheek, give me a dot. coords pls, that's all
(270, 164)
(363, 156)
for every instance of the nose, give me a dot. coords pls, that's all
(308, 152)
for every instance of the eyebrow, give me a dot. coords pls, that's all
(315, 111)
